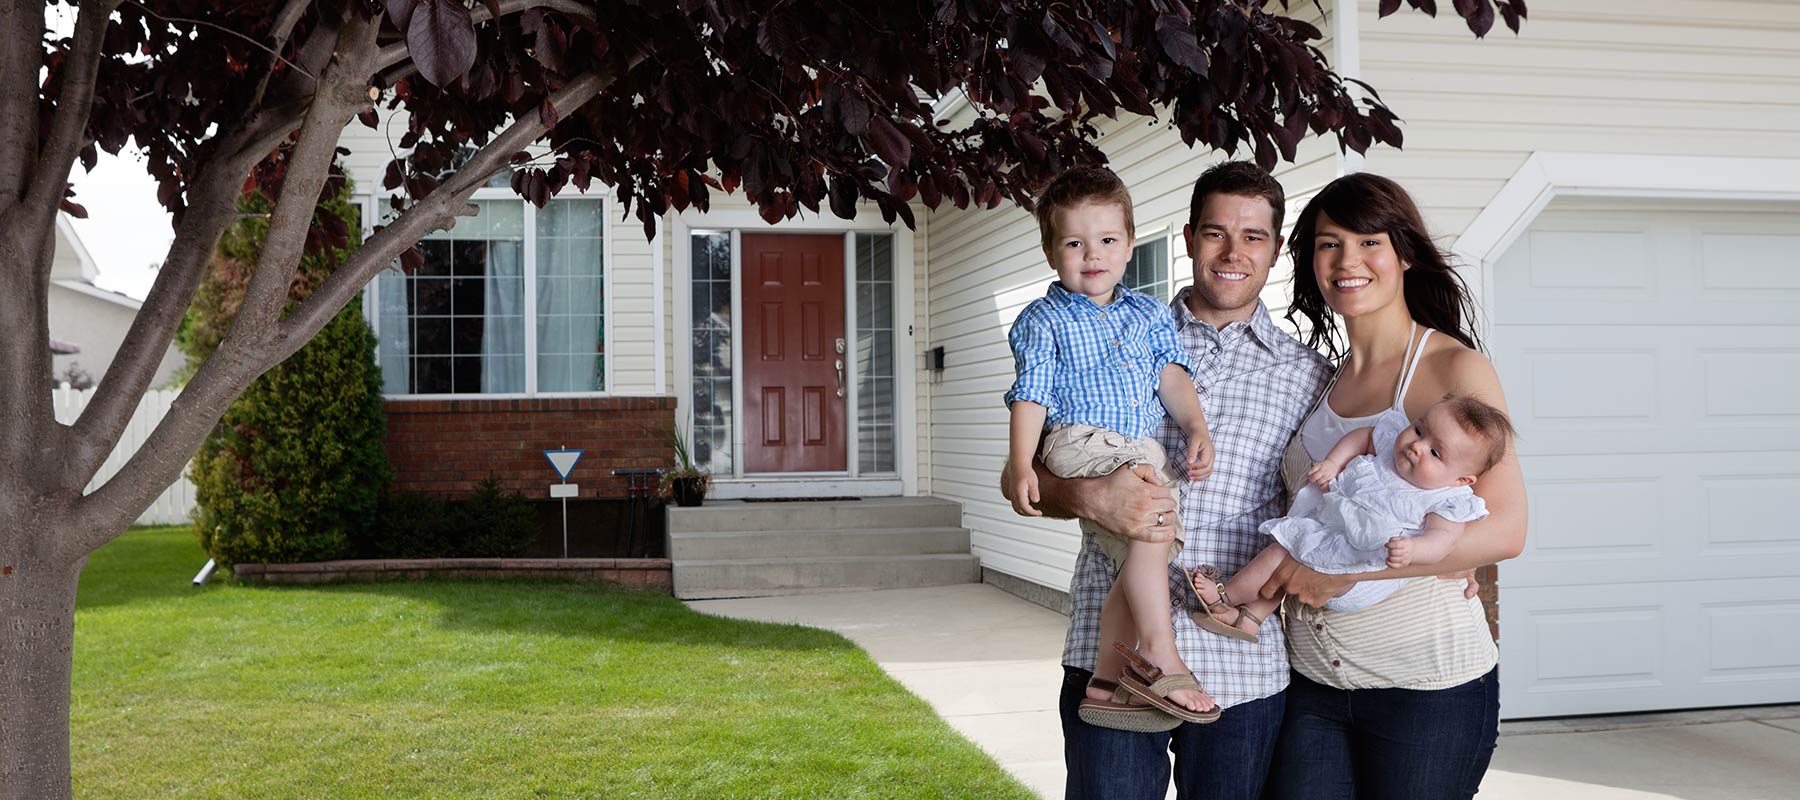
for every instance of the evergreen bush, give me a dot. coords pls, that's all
(295, 470)
(491, 523)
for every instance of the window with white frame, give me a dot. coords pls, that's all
(1148, 270)
(510, 301)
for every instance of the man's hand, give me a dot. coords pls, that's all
(1399, 552)
(1133, 502)
(1023, 491)
(1200, 456)
(1311, 588)
(1323, 473)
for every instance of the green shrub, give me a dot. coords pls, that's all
(295, 470)
(491, 523)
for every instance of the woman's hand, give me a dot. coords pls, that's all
(1309, 587)
(1471, 588)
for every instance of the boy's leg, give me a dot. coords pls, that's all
(1247, 583)
(1115, 626)
(1145, 578)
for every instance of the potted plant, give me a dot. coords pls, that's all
(685, 483)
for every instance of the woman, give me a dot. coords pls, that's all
(1400, 699)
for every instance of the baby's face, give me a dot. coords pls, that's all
(1091, 248)
(1435, 452)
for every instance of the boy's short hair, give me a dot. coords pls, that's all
(1485, 422)
(1241, 178)
(1076, 186)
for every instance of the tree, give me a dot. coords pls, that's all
(800, 104)
(296, 470)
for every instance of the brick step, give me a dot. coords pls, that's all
(712, 579)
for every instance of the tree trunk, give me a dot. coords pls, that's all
(37, 647)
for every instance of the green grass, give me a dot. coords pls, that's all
(476, 690)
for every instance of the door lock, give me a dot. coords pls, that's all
(840, 345)
(840, 372)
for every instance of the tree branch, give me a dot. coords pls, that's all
(434, 212)
(68, 129)
(21, 56)
(396, 52)
(343, 90)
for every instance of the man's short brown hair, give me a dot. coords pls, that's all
(1078, 186)
(1241, 178)
(1484, 422)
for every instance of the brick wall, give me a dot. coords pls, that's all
(1489, 578)
(448, 446)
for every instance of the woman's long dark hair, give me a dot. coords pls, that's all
(1435, 295)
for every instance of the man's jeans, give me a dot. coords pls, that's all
(1225, 760)
(1339, 745)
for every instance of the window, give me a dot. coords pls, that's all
(875, 352)
(712, 351)
(1148, 270)
(461, 324)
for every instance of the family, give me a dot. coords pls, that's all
(1223, 472)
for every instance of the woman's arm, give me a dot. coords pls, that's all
(1497, 537)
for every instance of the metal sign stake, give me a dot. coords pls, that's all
(563, 461)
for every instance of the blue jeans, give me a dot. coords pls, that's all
(1382, 743)
(1224, 760)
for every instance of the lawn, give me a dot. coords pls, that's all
(476, 690)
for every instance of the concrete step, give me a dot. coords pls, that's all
(707, 545)
(737, 516)
(695, 580)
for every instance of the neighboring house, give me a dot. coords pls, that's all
(1622, 182)
(93, 319)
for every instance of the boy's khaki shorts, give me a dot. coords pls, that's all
(1084, 451)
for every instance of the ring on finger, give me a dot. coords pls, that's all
(1159, 519)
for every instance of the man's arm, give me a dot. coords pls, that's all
(1127, 501)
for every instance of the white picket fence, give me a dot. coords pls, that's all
(176, 503)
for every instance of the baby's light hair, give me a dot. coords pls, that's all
(1076, 186)
(1483, 421)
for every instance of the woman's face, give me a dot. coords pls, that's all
(1357, 273)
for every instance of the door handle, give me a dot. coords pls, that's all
(840, 374)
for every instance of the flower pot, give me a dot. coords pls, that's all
(688, 492)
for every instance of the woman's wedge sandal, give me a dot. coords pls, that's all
(1152, 686)
(1124, 711)
(1205, 617)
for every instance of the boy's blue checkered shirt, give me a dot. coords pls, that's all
(1095, 365)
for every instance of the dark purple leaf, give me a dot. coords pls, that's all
(1387, 7)
(441, 39)
(843, 197)
(547, 113)
(400, 12)
(367, 117)
(888, 142)
(855, 112)
(1179, 43)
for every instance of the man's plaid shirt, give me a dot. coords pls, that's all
(1257, 384)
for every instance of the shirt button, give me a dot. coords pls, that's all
(1116, 343)
(1134, 404)
(1335, 664)
(1318, 627)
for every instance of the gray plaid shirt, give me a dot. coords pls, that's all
(1257, 384)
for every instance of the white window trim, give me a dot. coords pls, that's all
(906, 462)
(1546, 176)
(1166, 233)
(371, 309)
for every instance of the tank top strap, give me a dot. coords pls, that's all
(1412, 365)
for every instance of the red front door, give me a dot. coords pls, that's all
(793, 309)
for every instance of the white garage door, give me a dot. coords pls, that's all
(1651, 357)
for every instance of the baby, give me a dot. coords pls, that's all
(1391, 495)
(1093, 359)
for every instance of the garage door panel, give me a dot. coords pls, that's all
(1604, 649)
(1659, 517)
(1739, 266)
(1744, 383)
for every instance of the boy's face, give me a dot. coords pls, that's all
(1435, 452)
(1091, 247)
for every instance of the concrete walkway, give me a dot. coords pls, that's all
(988, 662)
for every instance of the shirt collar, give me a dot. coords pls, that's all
(1262, 328)
(1063, 298)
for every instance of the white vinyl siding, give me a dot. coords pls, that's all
(1603, 76)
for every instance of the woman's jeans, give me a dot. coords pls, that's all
(1385, 743)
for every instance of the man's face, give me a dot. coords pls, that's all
(1233, 244)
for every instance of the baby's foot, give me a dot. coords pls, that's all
(1208, 591)
(1193, 700)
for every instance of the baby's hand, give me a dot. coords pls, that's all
(1200, 456)
(1025, 492)
(1322, 474)
(1400, 552)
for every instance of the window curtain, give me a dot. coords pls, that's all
(393, 309)
(503, 337)
(571, 305)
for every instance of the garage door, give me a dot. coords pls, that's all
(1651, 356)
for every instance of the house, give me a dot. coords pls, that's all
(93, 320)
(1622, 182)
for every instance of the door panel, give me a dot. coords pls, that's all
(793, 369)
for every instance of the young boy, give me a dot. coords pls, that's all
(1093, 360)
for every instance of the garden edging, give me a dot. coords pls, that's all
(644, 573)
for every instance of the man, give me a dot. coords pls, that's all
(1257, 383)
